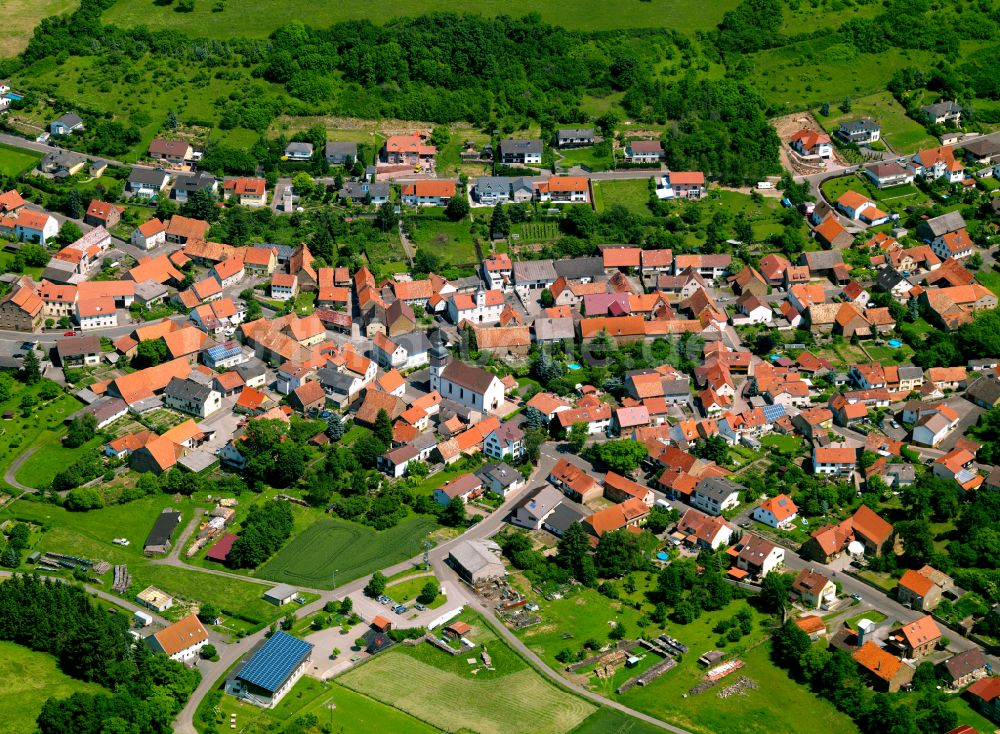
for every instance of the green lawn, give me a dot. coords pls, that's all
(583, 157)
(336, 546)
(967, 715)
(787, 444)
(442, 690)
(895, 198)
(407, 591)
(683, 15)
(872, 615)
(450, 241)
(989, 278)
(15, 161)
(30, 678)
(633, 194)
(332, 704)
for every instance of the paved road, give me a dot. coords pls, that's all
(19, 142)
(10, 475)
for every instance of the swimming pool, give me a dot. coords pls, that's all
(574, 366)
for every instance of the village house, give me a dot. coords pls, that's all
(515, 152)
(181, 641)
(428, 193)
(644, 151)
(574, 137)
(574, 482)
(630, 513)
(341, 153)
(247, 191)
(777, 512)
(885, 174)
(506, 441)
(170, 151)
(715, 495)
(861, 131)
(812, 144)
(67, 124)
(886, 672)
(943, 113)
(408, 149)
(834, 461)
(194, 398)
(757, 557)
(563, 190)
(149, 234)
(813, 590)
(915, 639)
(704, 531)
(147, 182)
(681, 185)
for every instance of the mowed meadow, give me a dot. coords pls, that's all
(258, 18)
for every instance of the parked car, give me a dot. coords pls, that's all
(384, 599)
(419, 607)
(399, 609)
(856, 597)
(69, 333)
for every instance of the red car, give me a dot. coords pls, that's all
(70, 333)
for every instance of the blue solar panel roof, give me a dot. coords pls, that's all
(271, 665)
(773, 412)
(221, 351)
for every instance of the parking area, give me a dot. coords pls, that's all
(968, 414)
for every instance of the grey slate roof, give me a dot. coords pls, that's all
(570, 133)
(526, 271)
(511, 146)
(187, 389)
(864, 124)
(547, 329)
(191, 183)
(949, 222)
(717, 488)
(340, 148)
(70, 119)
(576, 268)
(562, 517)
(151, 176)
(299, 148)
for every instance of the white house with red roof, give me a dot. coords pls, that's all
(38, 227)
(149, 234)
(481, 307)
(777, 512)
(812, 144)
(956, 245)
(681, 185)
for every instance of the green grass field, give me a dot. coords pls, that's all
(788, 444)
(451, 241)
(682, 15)
(967, 715)
(778, 704)
(633, 194)
(895, 198)
(440, 689)
(20, 19)
(903, 134)
(50, 458)
(610, 721)
(349, 549)
(42, 426)
(29, 679)
(15, 161)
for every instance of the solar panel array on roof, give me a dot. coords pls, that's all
(222, 351)
(964, 476)
(773, 412)
(273, 663)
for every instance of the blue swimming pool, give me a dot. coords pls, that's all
(14, 96)
(574, 366)
(895, 343)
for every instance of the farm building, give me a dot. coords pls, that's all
(153, 598)
(477, 561)
(272, 669)
(280, 595)
(158, 540)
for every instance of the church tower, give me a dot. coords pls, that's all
(439, 358)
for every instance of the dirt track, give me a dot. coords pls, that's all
(786, 127)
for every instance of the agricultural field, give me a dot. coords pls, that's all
(450, 241)
(347, 549)
(16, 161)
(901, 133)
(683, 15)
(633, 194)
(439, 689)
(29, 679)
